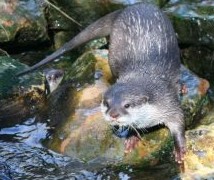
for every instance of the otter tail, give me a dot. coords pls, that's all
(100, 28)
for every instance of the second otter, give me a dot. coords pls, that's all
(144, 57)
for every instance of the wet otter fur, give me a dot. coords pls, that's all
(144, 57)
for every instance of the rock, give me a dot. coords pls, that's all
(80, 15)
(209, 118)
(9, 83)
(199, 157)
(19, 97)
(84, 133)
(22, 23)
(194, 101)
(81, 131)
(24, 96)
(193, 22)
(199, 60)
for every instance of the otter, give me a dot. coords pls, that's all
(145, 60)
(53, 78)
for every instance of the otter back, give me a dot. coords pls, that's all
(143, 40)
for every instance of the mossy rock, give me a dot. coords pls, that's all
(22, 23)
(9, 83)
(19, 97)
(199, 59)
(82, 132)
(193, 23)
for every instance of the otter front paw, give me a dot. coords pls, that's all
(131, 143)
(184, 89)
(179, 154)
(179, 157)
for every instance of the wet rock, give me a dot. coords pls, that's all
(19, 97)
(209, 118)
(199, 158)
(199, 60)
(25, 96)
(195, 100)
(22, 23)
(193, 22)
(82, 131)
(9, 83)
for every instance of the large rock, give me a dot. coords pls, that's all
(83, 133)
(194, 101)
(199, 59)
(199, 157)
(22, 23)
(19, 97)
(193, 22)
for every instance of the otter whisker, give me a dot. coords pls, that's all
(138, 134)
(142, 129)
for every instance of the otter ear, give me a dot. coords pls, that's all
(144, 99)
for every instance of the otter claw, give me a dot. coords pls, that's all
(179, 154)
(179, 157)
(184, 89)
(130, 144)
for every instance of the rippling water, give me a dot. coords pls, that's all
(22, 156)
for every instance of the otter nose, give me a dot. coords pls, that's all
(114, 114)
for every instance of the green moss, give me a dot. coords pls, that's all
(9, 83)
(192, 110)
(193, 23)
(83, 68)
(205, 10)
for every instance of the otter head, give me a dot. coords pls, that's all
(129, 105)
(53, 78)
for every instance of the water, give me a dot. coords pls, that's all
(22, 156)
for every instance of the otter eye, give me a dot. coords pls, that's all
(127, 106)
(144, 99)
(49, 78)
(105, 103)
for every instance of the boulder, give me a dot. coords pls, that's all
(81, 130)
(19, 97)
(193, 22)
(22, 23)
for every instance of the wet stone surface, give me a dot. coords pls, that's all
(22, 22)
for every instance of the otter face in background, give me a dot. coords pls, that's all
(53, 78)
(123, 105)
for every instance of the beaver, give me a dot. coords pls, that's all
(145, 60)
